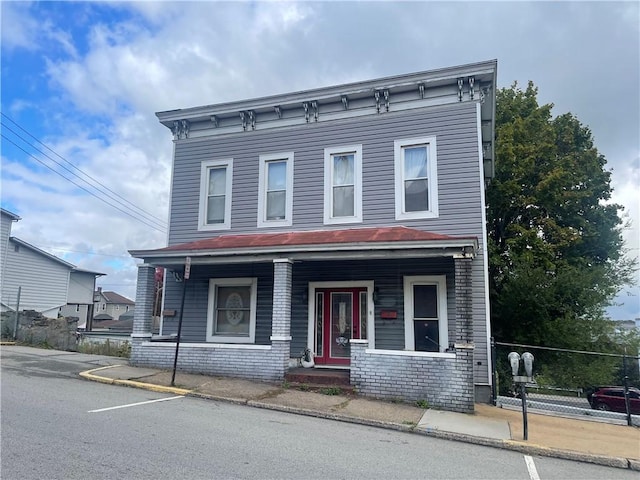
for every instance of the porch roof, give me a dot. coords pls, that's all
(316, 244)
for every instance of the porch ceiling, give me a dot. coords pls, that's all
(383, 242)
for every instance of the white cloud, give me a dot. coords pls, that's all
(17, 26)
(107, 82)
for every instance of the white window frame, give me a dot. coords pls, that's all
(329, 219)
(262, 190)
(443, 320)
(211, 309)
(204, 181)
(432, 172)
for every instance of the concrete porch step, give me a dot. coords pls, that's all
(319, 378)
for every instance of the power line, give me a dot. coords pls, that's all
(86, 253)
(104, 190)
(75, 167)
(139, 218)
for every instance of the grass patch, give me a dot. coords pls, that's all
(331, 391)
(120, 349)
(422, 404)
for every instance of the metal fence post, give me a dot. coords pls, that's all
(626, 387)
(15, 323)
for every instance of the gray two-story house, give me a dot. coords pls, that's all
(349, 221)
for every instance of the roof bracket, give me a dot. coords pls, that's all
(460, 84)
(386, 99)
(345, 102)
(305, 105)
(243, 119)
(180, 129)
(471, 82)
(376, 95)
(316, 113)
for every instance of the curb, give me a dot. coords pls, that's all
(3, 343)
(513, 445)
(131, 383)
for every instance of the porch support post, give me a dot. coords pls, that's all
(464, 346)
(143, 313)
(464, 308)
(281, 318)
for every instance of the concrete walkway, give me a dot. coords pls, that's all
(573, 439)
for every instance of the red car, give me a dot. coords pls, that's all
(612, 399)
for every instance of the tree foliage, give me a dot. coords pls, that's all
(556, 253)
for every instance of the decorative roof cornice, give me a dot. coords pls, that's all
(474, 82)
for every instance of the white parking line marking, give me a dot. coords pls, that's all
(533, 473)
(135, 404)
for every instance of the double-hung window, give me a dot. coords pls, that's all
(231, 314)
(275, 196)
(416, 178)
(343, 184)
(215, 195)
(425, 313)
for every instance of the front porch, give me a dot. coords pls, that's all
(399, 321)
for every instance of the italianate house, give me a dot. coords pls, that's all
(347, 223)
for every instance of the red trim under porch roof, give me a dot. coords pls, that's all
(351, 236)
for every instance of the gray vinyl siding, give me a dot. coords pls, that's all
(44, 282)
(194, 322)
(459, 176)
(460, 180)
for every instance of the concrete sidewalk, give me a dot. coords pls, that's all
(573, 439)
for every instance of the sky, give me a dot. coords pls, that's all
(81, 83)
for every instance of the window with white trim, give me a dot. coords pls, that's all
(231, 313)
(425, 313)
(275, 196)
(343, 184)
(416, 178)
(215, 195)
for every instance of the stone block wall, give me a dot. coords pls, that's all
(445, 381)
(254, 362)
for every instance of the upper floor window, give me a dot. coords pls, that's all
(275, 197)
(343, 184)
(215, 195)
(416, 177)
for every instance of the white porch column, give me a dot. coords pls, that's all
(281, 316)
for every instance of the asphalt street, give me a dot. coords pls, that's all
(56, 425)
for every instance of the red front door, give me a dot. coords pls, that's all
(340, 314)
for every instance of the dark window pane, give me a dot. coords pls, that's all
(416, 195)
(425, 301)
(426, 336)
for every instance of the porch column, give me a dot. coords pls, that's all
(281, 317)
(464, 309)
(145, 295)
(464, 346)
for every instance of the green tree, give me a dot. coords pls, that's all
(556, 253)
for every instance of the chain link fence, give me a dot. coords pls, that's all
(573, 383)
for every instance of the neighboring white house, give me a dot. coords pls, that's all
(47, 284)
(111, 305)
